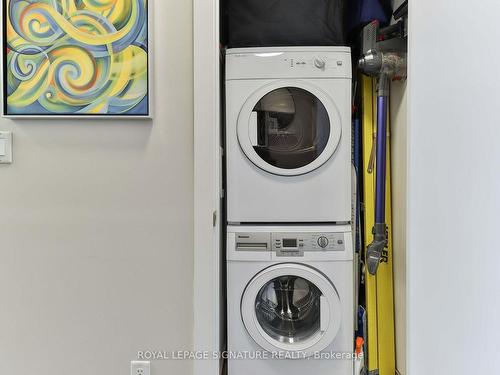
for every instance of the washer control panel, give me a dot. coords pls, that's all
(296, 244)
(290, 244)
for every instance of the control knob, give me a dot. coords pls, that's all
(323, 242)
(319, 63)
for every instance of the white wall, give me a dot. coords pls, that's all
(399, 126)
(96, 228)
(454, 188)
(399, 129)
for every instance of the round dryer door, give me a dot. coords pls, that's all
(289, 128)
(291, 308)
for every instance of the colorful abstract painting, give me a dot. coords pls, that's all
(76, 57)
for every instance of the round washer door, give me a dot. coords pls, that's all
(289, 128)
(291, 308)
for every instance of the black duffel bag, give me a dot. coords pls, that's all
(268, 23)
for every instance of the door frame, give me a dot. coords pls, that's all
(207, 301)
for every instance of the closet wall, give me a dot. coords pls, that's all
(453, 188)
(399, 195)
(399, 128)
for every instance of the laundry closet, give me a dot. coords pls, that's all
(441, 292)
(312, 264)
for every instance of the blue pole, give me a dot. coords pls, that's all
(382, 109)
(375, 251)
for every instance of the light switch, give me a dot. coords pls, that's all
(5, 147)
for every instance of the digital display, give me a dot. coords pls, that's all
(288, 242)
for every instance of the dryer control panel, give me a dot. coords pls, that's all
(288, 62)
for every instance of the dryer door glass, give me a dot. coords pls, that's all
(292, 128)
(288, 309)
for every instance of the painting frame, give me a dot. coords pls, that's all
(81, 116)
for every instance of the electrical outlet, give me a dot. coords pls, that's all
(140, 368)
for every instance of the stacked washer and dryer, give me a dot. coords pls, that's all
(290, 282)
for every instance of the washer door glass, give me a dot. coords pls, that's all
(292, 128)
(291, 307)
(288, 309)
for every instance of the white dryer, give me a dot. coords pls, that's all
(288, 135)
(290, 300)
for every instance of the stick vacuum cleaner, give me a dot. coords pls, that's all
(385, 58)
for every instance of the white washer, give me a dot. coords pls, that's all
(288, 135)
(290, 300)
